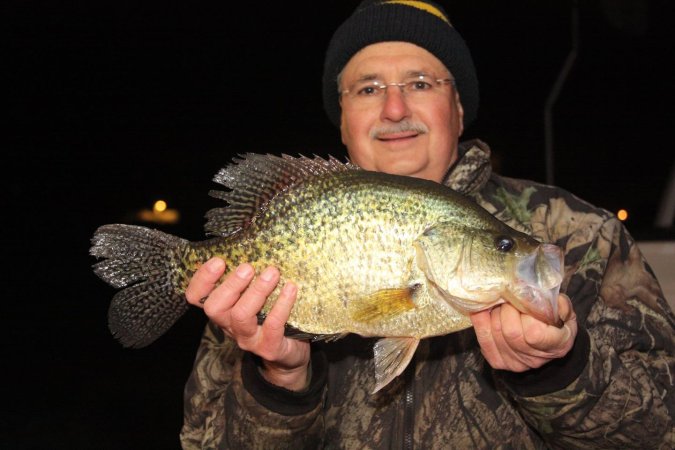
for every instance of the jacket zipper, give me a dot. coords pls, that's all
(409, 407)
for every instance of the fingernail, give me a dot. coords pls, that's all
(268, 274)
(290, 289)
(244, 271)
(483, 333)
(215, 265)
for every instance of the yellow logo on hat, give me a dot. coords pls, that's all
(423, 6)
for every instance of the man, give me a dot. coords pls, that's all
(400, 84)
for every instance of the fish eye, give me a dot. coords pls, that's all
(504, 243)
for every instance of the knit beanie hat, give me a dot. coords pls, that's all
(423, 23)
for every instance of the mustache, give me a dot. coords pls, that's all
(399, 127)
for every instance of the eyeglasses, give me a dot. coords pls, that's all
(418, 87)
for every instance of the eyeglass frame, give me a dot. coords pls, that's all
(401, 85)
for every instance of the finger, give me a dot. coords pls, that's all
(274, 326)
(228, 293)
(522, 332)
(547, 342)
(508, 336)
(551, 341)
(509, 322)
(244, 321)
(569, 316)
(565, 308)
(272, 344)
(482, 324)
(204, 280)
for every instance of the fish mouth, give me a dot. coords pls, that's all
(538, 278)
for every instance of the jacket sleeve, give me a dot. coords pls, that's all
(616, 387)
(220, 412)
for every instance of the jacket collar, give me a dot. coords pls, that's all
(472, 169)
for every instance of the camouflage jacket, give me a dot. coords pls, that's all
(613, 390)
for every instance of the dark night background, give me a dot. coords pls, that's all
(113, 105)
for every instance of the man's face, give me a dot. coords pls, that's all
(411, 133)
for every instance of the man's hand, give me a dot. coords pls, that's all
(233, 305)
(511, 340)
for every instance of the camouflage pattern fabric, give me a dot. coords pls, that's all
(614, 390)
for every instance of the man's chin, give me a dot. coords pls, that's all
(406, 168)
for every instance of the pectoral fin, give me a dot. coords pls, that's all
(392, 356)
(381, 304)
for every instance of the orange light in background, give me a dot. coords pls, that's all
(622, 215)
(160, 213)
(160, 205)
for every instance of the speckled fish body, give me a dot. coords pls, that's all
(373, 254)
(343, 239)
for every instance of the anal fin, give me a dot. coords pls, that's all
(392, 356)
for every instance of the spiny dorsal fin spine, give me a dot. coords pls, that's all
(255, 179)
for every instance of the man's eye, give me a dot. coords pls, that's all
(368, 90)
(419, 85)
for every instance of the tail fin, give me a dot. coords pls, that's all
(143, 262)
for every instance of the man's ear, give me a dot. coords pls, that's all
(342, 125)
(460, 113)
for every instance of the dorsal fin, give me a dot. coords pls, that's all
(254, 180)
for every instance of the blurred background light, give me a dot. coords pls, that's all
(622, 214)
(160, 206)
(160, 214)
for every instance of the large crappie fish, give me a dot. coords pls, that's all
(374, 254)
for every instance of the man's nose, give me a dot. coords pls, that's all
(395, 106)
